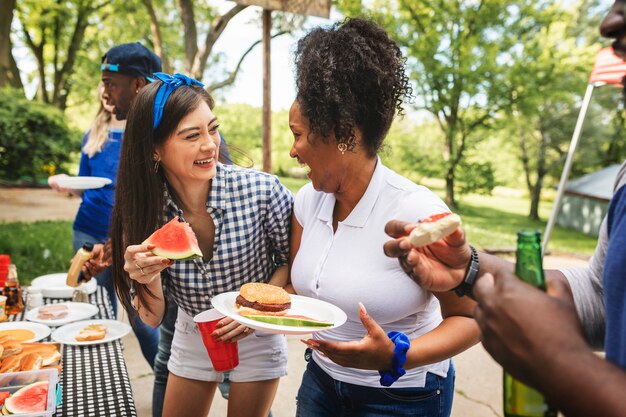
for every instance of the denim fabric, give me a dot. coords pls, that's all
(160, 364)
(147, 336)
(320, 396)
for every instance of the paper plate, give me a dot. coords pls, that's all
(41, 331)
(83, 183)
(75, 312)
(53, 285)
(305, 306)
(67, 334)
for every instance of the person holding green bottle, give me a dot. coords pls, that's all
(545, 340)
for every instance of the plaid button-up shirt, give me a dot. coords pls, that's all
(252, 213)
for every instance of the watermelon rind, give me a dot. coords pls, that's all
(289, 321)
(175, 240)
(176, 256)
(31, 398)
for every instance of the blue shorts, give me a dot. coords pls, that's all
(320, 396)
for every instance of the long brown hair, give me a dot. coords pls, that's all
(138, 209)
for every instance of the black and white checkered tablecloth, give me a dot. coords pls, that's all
(94, 378)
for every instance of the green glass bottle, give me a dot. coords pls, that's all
(520, 400)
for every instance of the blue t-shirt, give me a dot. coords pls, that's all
(94, 214)
(614, 278)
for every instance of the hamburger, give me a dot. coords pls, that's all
(262, 299)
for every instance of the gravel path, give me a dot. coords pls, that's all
(32, 204)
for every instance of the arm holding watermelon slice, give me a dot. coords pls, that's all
(145, 268)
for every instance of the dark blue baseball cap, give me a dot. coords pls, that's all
(131, 59)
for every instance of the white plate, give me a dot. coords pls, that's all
(67, 334)
(305, 306)
(41, 330)
(75, 312)
(53, 285)
(83, 183)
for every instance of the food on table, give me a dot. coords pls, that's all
(49, 352)
(260, 299)
(21, 335)
(10, 364)
(175, 240)
(3, 396)
(433, 228)
(52, 312)
(10, 347)
(29, 399)
(291, 320)
(18, 356)
(30, 361)
(92, 332)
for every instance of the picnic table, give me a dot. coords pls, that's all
(94, 377)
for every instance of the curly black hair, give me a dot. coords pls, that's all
(350, 75)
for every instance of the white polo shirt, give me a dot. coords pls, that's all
(349, 266)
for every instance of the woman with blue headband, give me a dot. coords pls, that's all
(241, 217)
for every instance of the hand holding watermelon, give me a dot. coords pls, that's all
(142, 265)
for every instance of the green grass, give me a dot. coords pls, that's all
(493, 222)
(45, 247)
(38, 248)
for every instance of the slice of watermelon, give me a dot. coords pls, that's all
(31, 398)
(175, 240)
(292, 320)
(3, 396)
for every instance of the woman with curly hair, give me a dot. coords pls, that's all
(350, 83)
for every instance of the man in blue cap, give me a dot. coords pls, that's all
(126, 69)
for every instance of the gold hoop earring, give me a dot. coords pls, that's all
(342, 147)
(156, 166)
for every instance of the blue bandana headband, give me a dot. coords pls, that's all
(170, 83)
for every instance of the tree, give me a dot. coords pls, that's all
(453, 49)
(547, 76)
(44, 25)
(9, 73)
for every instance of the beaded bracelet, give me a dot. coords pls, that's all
(402, 343)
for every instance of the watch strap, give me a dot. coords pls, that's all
(465, 287)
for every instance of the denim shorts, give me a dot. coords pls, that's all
(321, 396)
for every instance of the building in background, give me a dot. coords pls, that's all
(586, 201)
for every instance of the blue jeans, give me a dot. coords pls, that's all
(147, 336)
(320, 396)
(160, 363)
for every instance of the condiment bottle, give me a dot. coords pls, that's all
(521, 400)
(80, 295)
(34, 298)
(82, 255)
(13, 292)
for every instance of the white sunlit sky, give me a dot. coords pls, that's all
(241, 32)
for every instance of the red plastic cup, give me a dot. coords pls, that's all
(5, 261)
(224, 355)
